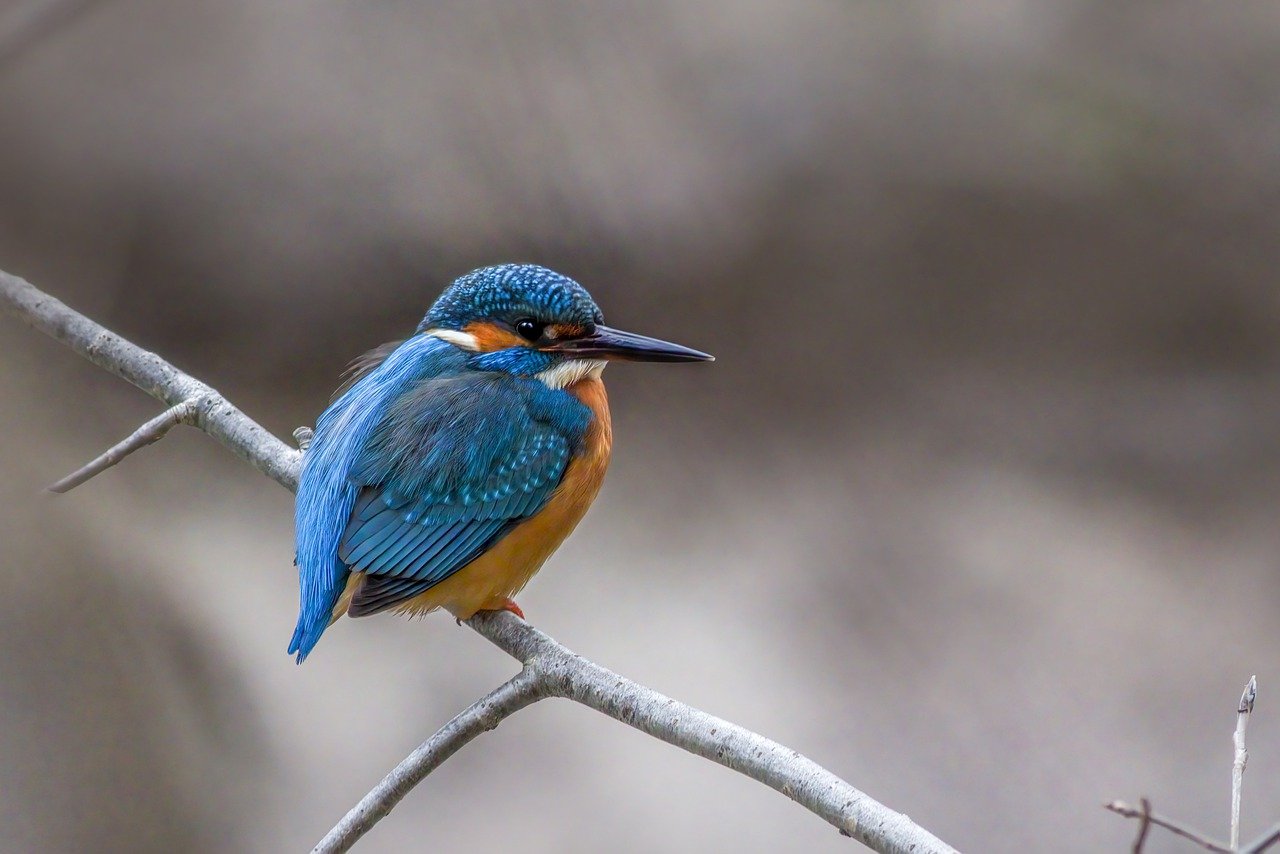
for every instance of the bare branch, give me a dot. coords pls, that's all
(236, 431)
(151, 432)
(1149, 817)
(1243, 712)
(481, 716)
(1144, 826)
(800, 779)
(1263, 842)
(556, 671)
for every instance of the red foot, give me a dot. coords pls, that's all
(510, 605)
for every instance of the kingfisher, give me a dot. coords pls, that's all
(452, 464)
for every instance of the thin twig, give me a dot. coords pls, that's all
(1149, 817)
(1263, 842)
(1243, 712)
(481, 716)
(1144, 826)
(560, 671)
(151, 432)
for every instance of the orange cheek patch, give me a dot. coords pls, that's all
(490, 337)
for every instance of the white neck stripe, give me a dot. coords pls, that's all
(463, 340)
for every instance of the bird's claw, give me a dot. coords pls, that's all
(510, 605)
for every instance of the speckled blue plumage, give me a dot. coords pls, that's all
(508, 291)
(433, 455)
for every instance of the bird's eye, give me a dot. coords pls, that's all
(529, 329)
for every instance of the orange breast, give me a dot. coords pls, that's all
(506, 568)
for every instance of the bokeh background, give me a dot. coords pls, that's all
(977, 507)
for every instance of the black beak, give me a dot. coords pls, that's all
(606, 343)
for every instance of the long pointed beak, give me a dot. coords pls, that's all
(606, 343)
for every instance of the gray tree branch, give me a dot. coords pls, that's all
(237, 432)
(151, 432)
(1263, 842)
(481, 716)
(1243, 712)
(1149, 818)
(550, 669)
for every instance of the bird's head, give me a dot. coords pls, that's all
(530, 321)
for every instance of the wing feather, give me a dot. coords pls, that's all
(453, 466)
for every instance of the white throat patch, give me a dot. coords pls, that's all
(464, 340)
(567, 373)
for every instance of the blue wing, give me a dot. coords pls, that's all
(455, 465)
(416, 470)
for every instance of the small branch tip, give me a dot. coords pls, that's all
(150, 433)
(1250, 694)
(1243, 712)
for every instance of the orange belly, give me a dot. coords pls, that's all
(501, 572)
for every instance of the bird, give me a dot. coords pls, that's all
(452, 464)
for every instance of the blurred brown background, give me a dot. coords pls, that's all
(977, 507)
